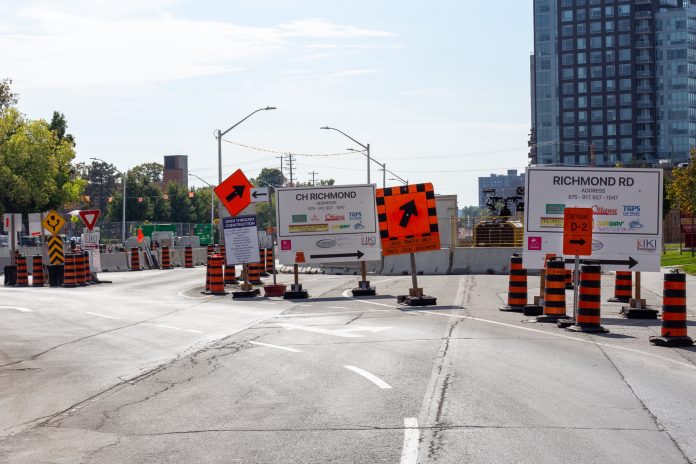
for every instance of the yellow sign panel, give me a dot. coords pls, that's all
(551, 223)
(294, 228)
(55, 250)
(53, 222)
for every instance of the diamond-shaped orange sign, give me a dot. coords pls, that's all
(235, 192)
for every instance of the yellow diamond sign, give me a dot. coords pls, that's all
(53, 222)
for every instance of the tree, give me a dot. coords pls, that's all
(149, 172)
(101, 180)
(7, 97)
(269, 177)
(144, 197)
(36, 173)
(682, 188)
(200, 204)
(473, 211)
(59, 126)
(179, 203)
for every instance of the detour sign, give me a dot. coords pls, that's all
(577, 231)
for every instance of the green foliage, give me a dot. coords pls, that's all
(102, 179)
(59, 127)
(269, 177)
(682, 188)
(473, 211)
(35, 166)
(7, 98)
(200, 204)
(141, 183)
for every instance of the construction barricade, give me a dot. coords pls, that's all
(270, 261)
(37, 272)
(22, 272)
(135, 259)
(188, 257)
(69, 271)
(254, 270)
(517, 285)
(673, 329)
(589, 313)
(166, 258)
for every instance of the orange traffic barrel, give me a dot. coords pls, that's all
(88, 269)
(135, 259)
(230, 275)
(188, 257)
(217, 284)
(589, 296)
(80, 269)
(207, 274)
(568, 279)
(262, 262)
(22, 272)
(623, 287)
(554, 293)
(254, 270)
(517, 285)
(166, 258)
(673, 329)
(69, 271)
(37, 271)
(211, 249)
(270, 261)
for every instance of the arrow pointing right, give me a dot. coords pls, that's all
(580, 242)
(358, 254)
(630, 262)
(237, 192)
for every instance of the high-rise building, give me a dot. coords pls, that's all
(613, 81)
(505, 185)
(175, 170)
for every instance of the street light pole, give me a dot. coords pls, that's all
(365, 147)
(212, 200)
(123, 216)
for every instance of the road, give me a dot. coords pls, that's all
(148, 370)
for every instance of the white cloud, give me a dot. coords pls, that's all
(52, 47)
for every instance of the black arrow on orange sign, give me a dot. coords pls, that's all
(580, 242)
(409, 210)
(237, 192)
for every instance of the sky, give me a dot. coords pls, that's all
(439, 89)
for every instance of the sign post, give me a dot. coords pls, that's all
(408, 224)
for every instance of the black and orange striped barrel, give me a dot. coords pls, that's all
(270, 261)
(22, 272)
(135, 259)
(623, 287)
(166, 258)
(554, 293)
(87, 268)
(37, 271)
(262, 262)
(230, 275)
(217, 285)
(80, 269)
(69, 271)
(211, 249)
(568, 279)
(674, 306)
(517, 285)
(589, 295)
(207, 273)
(188, 257)
(254, 270)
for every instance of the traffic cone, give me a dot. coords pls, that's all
(69, 271)
(588, 318)
(673, 330)
(22, 272)
(188, 257)
(517, 285)
(166, 258)
(135, 259)
(623, 287)
(37, 272)
(217, 284)
(554, 294)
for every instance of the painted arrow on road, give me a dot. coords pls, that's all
(630, 262)
(409, 210)
(359, 254)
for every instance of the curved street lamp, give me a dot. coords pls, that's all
(366, 147)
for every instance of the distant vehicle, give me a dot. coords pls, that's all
(4, 241)
(28, 240)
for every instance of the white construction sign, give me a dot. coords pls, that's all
(241, 240)
(627, 214)
(329, 224)
(89, 241)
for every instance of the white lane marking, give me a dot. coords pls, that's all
(369, 376)
(18, 308)
(387, 280)
(102, 315)
(275, 346)
(345, 333)
(409, 453)
(338, 307)
(346, 295)
(164, 326)
(593, 342)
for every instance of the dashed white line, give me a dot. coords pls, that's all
(164, 326)
(275, 346)
(103, 315)
(409, 453)
(369, 376)
(18, 308)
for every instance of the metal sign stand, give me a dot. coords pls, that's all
(296, 291)
(637, 309)
(247, 290)
(363, 288)
(415, 295)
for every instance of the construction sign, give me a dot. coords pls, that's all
(577, 231)
(55, 250)
(53, 222)
(407, 219)
(234, 192)
(89, 217)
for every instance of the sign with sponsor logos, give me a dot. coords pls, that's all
(626, 209)
(336, 223)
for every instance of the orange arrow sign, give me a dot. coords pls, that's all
(235, 192)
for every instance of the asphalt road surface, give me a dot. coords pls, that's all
(148, 370)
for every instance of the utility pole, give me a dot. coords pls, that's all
(291, 160)
(281, 164)
(313, 173)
